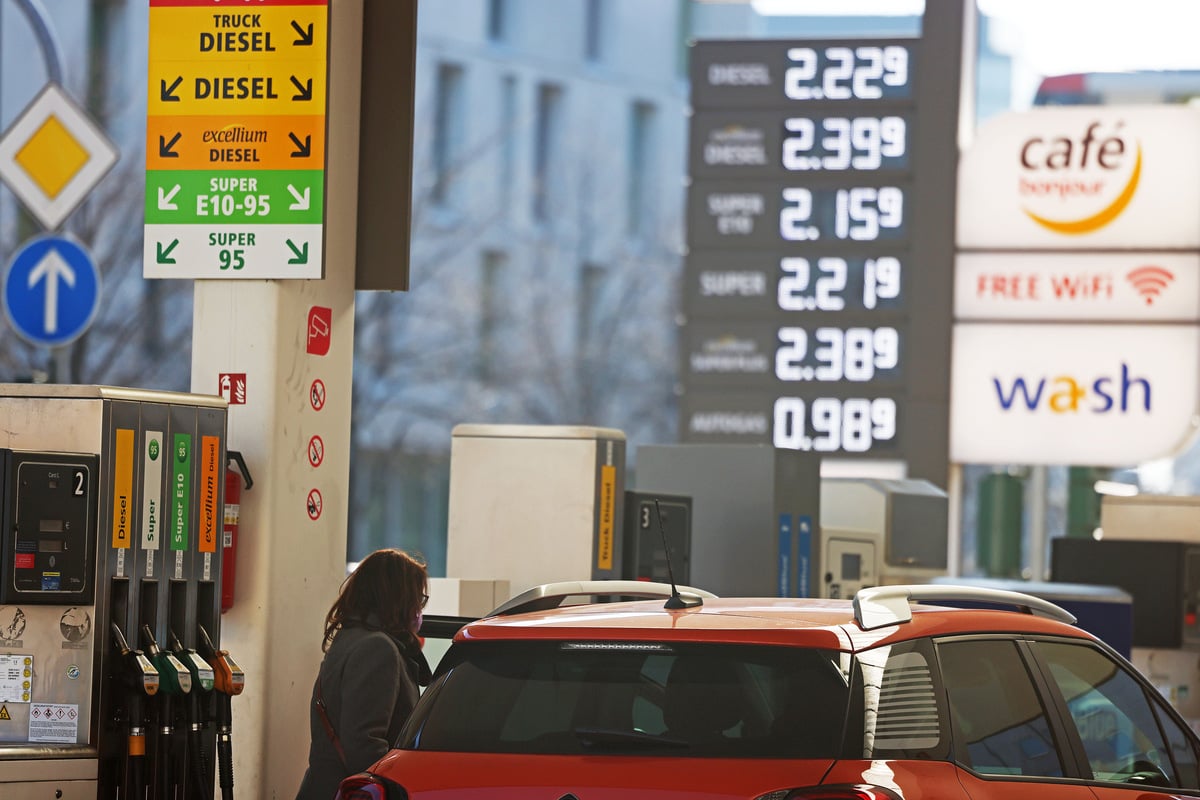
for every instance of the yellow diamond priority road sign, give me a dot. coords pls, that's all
(53, 155)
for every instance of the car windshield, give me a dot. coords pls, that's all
(678, 699)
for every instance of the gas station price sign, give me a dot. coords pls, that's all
(801, 212)
(235, 139)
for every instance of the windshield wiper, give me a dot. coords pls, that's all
(624, 739)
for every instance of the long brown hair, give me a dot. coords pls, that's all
(390, 586)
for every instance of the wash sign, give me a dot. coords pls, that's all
(235, 139)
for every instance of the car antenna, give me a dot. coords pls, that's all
(675, 601)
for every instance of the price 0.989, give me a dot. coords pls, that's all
(800, 291)
(860, 213)
(852, 354)
(831, 424)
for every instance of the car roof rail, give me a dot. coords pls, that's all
(552, 595)
(880, 606)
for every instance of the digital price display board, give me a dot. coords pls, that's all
(802, 215)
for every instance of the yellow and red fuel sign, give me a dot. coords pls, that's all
(235, 139)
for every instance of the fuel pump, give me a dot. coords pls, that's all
(191, 765)
(174, 681)
(228, 680)
(141, 680)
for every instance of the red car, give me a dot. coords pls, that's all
(785, 699)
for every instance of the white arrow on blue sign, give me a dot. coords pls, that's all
(51, 290)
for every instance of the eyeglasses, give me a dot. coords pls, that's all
(424, 600)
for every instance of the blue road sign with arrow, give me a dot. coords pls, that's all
(51, 290)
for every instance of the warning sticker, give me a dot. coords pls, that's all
(16, 678)
(4, 715)
(54, 722)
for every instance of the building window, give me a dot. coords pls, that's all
(639, 202)
(594, 30)
(547, 143)
(508, 139)
(497, 20)
(683, 51)
(591, 285)
(449, 125)
(491, 309)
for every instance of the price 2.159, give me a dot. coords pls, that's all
(831, 424)
(860, 213)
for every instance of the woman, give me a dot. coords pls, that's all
(367, 684)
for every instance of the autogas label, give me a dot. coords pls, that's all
(122, 488)
(181, 490)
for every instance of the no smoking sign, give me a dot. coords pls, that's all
(316, 451)
(315, 504)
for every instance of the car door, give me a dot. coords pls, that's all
(1007, 742)
(1131, 742)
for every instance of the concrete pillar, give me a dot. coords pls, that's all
(289, 564)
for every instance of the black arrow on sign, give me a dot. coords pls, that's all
(164, 253)
(305, 89)
(306, 36)
(164, 147)
(168, 92)
(301, 255)
(303, 149)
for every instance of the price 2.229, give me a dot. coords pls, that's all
(832, 424)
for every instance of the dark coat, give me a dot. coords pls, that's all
(369, 681)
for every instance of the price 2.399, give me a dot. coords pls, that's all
(831, 424)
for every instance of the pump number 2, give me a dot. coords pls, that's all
(79, 480)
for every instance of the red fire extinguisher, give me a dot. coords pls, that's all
(235, 471)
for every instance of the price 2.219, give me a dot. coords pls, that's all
(831, 424)
(875, 281)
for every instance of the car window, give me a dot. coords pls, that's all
(903, 715)
(996, 710)
(686, 699)
(1119, 729)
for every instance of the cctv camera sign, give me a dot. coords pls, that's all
(1098, 177)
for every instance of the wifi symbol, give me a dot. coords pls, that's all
(1150, 281)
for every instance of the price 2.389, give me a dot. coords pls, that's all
(852, 354)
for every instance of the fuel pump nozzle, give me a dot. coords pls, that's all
(228, 680)
(141, 680)
(174, 680)
(192, 757)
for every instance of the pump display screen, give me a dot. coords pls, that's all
(49, 552)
